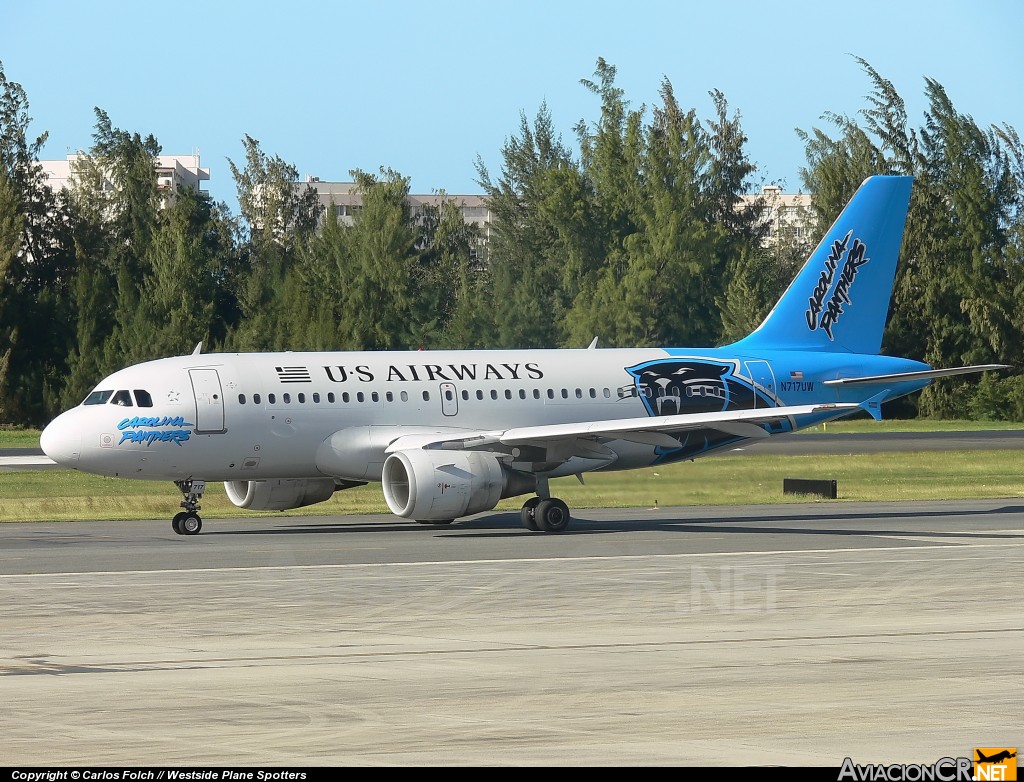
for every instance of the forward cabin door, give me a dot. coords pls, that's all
(209, 401)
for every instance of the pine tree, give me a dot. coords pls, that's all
(11, 227)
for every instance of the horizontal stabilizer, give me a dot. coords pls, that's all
(927, 374)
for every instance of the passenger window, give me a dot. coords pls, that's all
(389, 397)
(565, 393)
(375, 396)
(607, 394)
(142, 398)
(536, 393)
(241, 399)
(330, 397)
(255, 399)
(98, 398)
(405, 396)
(494, 394)
(551, 393)
(345, 397)
(302, 399)
(508, 394)
(426, 396)
(359, 396)
(272, 399)
(287, 399)
(522, 393)
(579, 393)
(593, 393)
(122, 398)
(316, 397)
(479, 394)
(465, 395)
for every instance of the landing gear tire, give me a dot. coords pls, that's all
(529, 514)
(552, 515)
(187, 522)
(435, 522)
(191, 524)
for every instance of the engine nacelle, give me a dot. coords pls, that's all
(432, 485)
(280, 494)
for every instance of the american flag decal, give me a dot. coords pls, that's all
(293, 375)
(797, 375)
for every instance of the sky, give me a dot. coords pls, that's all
(425, 88)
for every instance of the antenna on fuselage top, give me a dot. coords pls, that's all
(593, 344)
(198, 350)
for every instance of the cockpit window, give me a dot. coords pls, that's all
(122, 398)
(97, 398)
(142, 398)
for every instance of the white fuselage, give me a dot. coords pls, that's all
(254, 416)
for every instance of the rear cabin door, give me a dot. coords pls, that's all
(761, 373)
(209, 401)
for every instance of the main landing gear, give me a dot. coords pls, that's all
(188, 522)
(541, 514)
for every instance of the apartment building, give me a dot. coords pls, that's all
(344, 201)
(173, 174)
(787, 214)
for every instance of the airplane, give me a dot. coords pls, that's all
(999, 757)
(448, 434)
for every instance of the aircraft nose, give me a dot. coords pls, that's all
(62, 441)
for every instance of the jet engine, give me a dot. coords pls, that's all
(429, 485)
(280, 494)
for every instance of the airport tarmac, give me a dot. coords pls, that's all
(756, 635)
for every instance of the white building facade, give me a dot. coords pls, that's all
(173, 173)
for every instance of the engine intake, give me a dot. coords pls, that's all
(279, 494)
(440, 485)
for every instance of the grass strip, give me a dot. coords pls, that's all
(66, 495)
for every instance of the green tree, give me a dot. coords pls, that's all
(117, 178)
(317, 294)
(758, 276)
(378, 293)
(667, 191)
(958, 286)
(36, 312)
(11, 227)
(544, 237)
(279, 215)
(446, 278)
(178, 292)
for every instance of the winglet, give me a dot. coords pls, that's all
(873, 406)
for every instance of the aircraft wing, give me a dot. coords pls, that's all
(648, 430)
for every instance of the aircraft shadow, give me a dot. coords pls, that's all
(508, 524)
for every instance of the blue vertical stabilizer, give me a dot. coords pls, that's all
(839, 300)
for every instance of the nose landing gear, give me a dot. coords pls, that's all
(188, 522)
